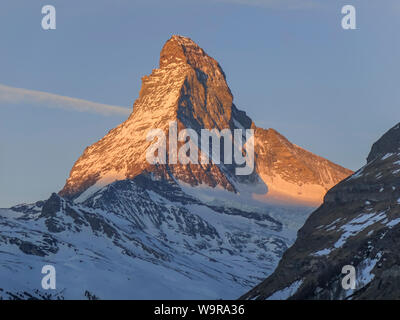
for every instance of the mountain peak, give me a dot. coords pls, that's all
(179, 49)
(190, 89)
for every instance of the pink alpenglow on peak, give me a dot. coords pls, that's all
(189, 88)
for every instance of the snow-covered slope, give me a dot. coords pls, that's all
(141, 239)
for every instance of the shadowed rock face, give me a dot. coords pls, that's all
(358, 224)
(190, 88)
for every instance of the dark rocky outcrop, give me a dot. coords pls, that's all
(359, 225)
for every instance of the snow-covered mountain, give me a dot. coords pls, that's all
(357, 225)
(124, 228)
(137, 239)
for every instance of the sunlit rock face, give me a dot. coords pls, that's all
(190, 88)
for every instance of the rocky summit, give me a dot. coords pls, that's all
(358, 225)
(125, 228)
(190, 88)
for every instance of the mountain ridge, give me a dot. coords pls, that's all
(357, 225)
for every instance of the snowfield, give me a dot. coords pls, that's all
(140, 239)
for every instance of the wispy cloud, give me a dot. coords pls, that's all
(287, 4)
(11, 95)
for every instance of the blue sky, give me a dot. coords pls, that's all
(289, 64)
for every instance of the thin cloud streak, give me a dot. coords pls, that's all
(11, 95)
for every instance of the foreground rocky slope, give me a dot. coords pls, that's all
(359, 225)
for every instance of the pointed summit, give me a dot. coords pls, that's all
(180, 49)
(190, 89)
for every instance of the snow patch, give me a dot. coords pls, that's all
(323, 252)
(286, 292)
(357, 225)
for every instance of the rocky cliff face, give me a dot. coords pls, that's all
(190, 88)
(359, 225)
